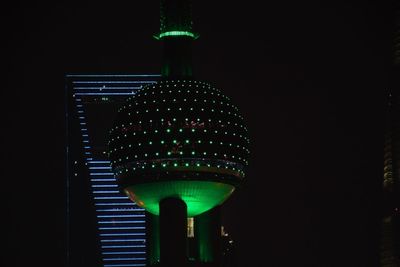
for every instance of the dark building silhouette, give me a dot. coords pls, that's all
(179, 148)
(390, 238)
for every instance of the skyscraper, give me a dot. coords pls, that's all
(104, 227)
(390, 238)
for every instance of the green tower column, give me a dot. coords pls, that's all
(207, 227)
(177, 57)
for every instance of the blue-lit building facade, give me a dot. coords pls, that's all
(104, 227)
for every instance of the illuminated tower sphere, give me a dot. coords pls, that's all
(180, 137)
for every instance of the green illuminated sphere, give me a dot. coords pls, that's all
(179, 138)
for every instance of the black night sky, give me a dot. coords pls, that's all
(310, 77)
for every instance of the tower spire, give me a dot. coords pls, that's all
(176, 34)
(176, 18)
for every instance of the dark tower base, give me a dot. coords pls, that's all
(173, 233)
(152, 239)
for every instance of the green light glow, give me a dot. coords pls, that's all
(176, 33)
(199, 196)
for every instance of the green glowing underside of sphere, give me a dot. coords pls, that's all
(199, 196)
